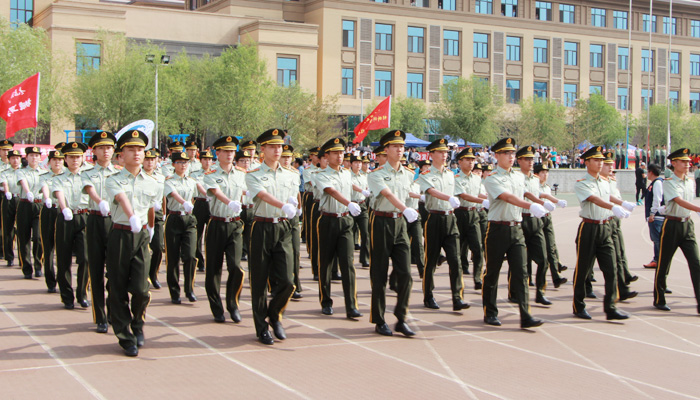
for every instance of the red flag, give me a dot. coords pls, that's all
(379, 118)
(19, 106)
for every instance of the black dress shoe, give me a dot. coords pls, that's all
(200, 269)
(38, 274)
(315, 278)
(10, 263)
(51, 290)
(403, 327)
(593, 279)
(662, 307)
(478, 286)
(583, 314)
(441, 260)
(543, 300)
(102, 328)
(266, 338)
(632, 278)
(297, 296)
(560, 282)
(156, 283)
(614, 314)
(327, 310)
(383, 329)
(191, 297)
(530, 323)
(562, 268)
(530, 283)
(358, 247)
(176, 300)
(219, 318)
(131, 351)
(68, 306)
(365, 265)
(591, 295)
(244, 257)
(459, 305)
(668, 291)
(28, 276)
(353, 313)
(465, 271)
(278, 329)
(491, 320)
(140, 339)
(628, 296)
(336, 277)
(431, 303)
(84, 303)
(235, 316)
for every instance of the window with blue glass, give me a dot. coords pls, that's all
(598, 17)
(673, 97)
(416, 37)
(596, 56)
(541, 47)
(695, 28)
(21, 12)
(348, 86)
(595, 89)
(450, 5)
(512, 91)
(383, 37)
(415, 86)
(382, 83)
(620, 19)
(481, 45)
(623, 98)
(623, 58)
(483, 6)
(513, 48)
(669, 25)
(448, 78)
(647, 60)
(570, 94)
(645, 23)
(286, 71)
(509, 8)
(674, 62)
(695, 64)
(695, 102)
(647, 98)
(540, 90)
(570, 53)
(88, 57)
(450, 43)
(348, 33)
(567, 13)
(543, 10)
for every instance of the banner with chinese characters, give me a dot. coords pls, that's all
(379, 118)
(19, 106)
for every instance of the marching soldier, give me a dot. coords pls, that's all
(191, 149)
(555, 267)
(251, 146)
(359, 196)
(308, 203)
(157, 244)
(47, 222)
(286, 162)
(483, 170)
(243, 160)
(415, 231)
(9, 181)
(167, 168)
(28, 210)
(423, 166)
(201, 205)
(5, 147)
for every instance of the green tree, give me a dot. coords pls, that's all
(684, 127)
(542, 122)
(408, 114)
(595, 120)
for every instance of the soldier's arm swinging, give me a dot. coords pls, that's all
(90, 190)
(393, 199)
(533, 198)
(686, 204)
(514, 200)
(336, 195)
(269, 199)
(600, 202)
(125, 204)
(470, 198)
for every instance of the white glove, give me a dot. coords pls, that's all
(135, 223)
(354, 208)
(48, 202)
(289, 210)
(293, 201)
(67, 214)
(8, 195)
(151, 230)
(410, 214)
(299, 212)
(422, 198)
(235, 206)
(247, 193)
(537, 210)
(366, 193)
(562, 203)
(30, 197)
(628, 206)
(454, 202)
(486, 204)
(188, 206)
(104, 208)
(620, 212)
(157, 206)
(661, 210)
(549, 205)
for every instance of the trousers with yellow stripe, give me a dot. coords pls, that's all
(223, 239)
(675, 235)
(180, 243)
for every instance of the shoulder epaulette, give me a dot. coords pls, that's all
(254, 170)
(405, 167)
(170, 177)
(210, 172)
(667, 179)
(377, 169)
(241, 169)
(583, 179)
(425, 172)
(293, 170)
(119, 167)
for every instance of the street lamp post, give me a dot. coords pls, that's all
(362, 98)
(164, 60)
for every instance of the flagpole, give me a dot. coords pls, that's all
(362, 107)
(38, 88)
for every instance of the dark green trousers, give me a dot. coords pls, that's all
(224, 239)
(247, 218)
(296, 246)
(9, 211)
(441, 232)
(415, 238)
(483, 225)
(47, 226)
(28, 244)
(674, 235)
(470, 240)
(97, 232)
(201, 212)
(157, 246)
(180, 243)
(621, 270)
(422, 211)
(502, 240)
(552, 252)
(308, 200)
(536, 246)
(128, 263)
(271, 260)
(336, 241)
(362, 227)
(2, 201)
(313, 236)
(70, 237)
(594, 242)
(389, 240)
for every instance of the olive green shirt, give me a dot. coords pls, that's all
(467, 184)
(282, 183)
(358, 179)
(96, 178)
(411, 201)
(592, 186)
(141, 190)
(499, 182)
(232, 184)
(442, 181)
(532, 186)
(397, 181)
(308, 185)
(185, 186)
(10, 176)
(160, 178)
(482, 190)
(545, 189)
(167, 170)
(47, 180)
(193, 166)
(72, 187)
(33, 177)
(340, 180)
(675, 187)
(614, 191)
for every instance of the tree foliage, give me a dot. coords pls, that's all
(542, 122)
(685, 127)
(595, 120)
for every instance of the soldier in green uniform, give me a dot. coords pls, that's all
(28, 211)
(225, 185)
(286, 162)
(99, 221)
(359, 195)
(201, 205)
(390, 186)
(594, 238)
(243, 160)
(271, 254)
(504, 235)
(483, 170)
(157, 244)
(191, 149)
(167, 168)
(251, 146)
(308, 202)
(47, 219)
(5, 147)
(8, 179)
(555, 267)
(180, 229)
(678, 229)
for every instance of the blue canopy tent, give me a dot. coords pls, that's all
(411, 141)
(461, 142)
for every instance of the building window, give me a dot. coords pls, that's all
(483, 7)
(543, 10)
(596, 56)
(21, 12)
(348, 87)
(674, 62)
(513, 48)
(669, 25)
(695, 28)
(567, 12)
(512, 91)
(673, 97)
(447, 5)
(570, 53)
(623, 58)
(647, 98)
(595, 89)
(570, 94)
(622, 98)
(598, 17)
(645, 23)
(286, 71)
(348, 33)
(695, 64)
(540, 90)
(541, 46)
(450, 42)
(379, 1)
(695, 102)
(620, 19)
(88, 57)
(416, 37)
(415, 86)
(509, 8)
(647, 61)
(382, 83)
(481, 45)
(383, 36)
(448, 78)
(420, 3)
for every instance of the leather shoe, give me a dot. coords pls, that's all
(365, 265)
(651, 265)
(278, 329)
(560, 282)
(68, 306)
(38, 274)
(562, 268)
(431, 303)
(353, 313)
(102, 328)
(140, 339)
(543, 300)
(614, 314)
(358, 247)
(297, 296)
(244, 257)
(583, 314)
(83, 303)
(191, 297)
(593, 279)
(315, 278)
(235, 316)
(176, 300)
(219, 318)
(28, 276)
(266, 338)
(51, 290)
(628, 296)
(383, 329)
(327, 310)
(441, 260)
(156, 284)
(632, 278)
(668, 291)
(131, 351)
(403, 327)
(336, 277)
(591, 295)
(459, 305)
(492, 320)
(530, 323)
(478, 286)
(662, 307)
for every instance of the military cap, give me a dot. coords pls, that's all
(468, 152)
(179, 156)
(74, 149)
(287, 150)
(6, 144)
(525, 152)
(191, 145)
(59, 145)
(314, 151)
(249, 144)
(117, 151)
(505, 144)
(423, 163)
(440, 144)
(242, 154)
(272, 136)
(32, 150)
(354, 158)
(682, 154)
(609, 157)
(403, 159)
(393, 137)
(478, 166)
(486, 167)
(14, 153)
(133, 137)
(176, 146)
(226, 143)
(380, 150)
(205, 154)
(56, 154)
(365, 159)
(336, 144)
(102, 139)
(151, 153)
(346, 157)
(593, 152)
(540, 167)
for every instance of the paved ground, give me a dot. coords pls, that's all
(49, 352)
